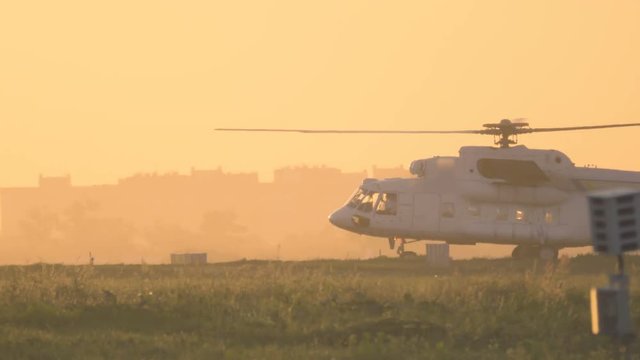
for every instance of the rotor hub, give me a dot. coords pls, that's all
(506, 131)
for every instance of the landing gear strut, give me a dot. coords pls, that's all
(542, 252)
(392, 244)
(400, 250)
(400, 242)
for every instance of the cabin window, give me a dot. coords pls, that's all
(520, 215)
(448, 210)
(387, 204)
(502, 214)
(548, 217)
(474, 210)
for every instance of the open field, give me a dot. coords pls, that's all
(325, 309)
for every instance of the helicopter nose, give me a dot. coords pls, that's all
(341, 218)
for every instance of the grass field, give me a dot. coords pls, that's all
(372, 309)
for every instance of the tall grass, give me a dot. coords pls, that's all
(375, 309)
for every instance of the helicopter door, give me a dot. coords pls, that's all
(515, 224)
(503, 223)
(405, 211)
(523, 226)
(425, 213)
(539, 225)
(448, 218)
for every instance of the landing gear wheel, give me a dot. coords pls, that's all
(519, 252)
(525, 251)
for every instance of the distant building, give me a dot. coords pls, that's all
(299, 199)
(315, 175)
(54, 182)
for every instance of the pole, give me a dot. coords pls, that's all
(620, 264)
(626, 339)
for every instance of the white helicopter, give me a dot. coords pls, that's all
(534, 199)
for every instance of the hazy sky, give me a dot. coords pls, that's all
(102, 90)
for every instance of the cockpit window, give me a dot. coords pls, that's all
(387, 204)
(367, 202)
(356, 199)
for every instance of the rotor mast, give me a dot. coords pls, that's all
(506, 132)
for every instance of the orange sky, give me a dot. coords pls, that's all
(102, 90)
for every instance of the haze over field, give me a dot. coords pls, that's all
(105, 90)
(146, 217)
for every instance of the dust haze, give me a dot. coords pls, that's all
(230, 216)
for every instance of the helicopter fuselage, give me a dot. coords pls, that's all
(512, 195)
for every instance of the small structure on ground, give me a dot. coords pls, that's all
(189, 259)
(438, 255)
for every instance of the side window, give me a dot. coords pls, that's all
(548, 216)
(448, 210)
(474, 210)
(387, 204)
(520, 215)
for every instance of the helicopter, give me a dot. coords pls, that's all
(503, 194)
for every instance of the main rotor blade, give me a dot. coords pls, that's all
(526, 131)
(331, 131)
